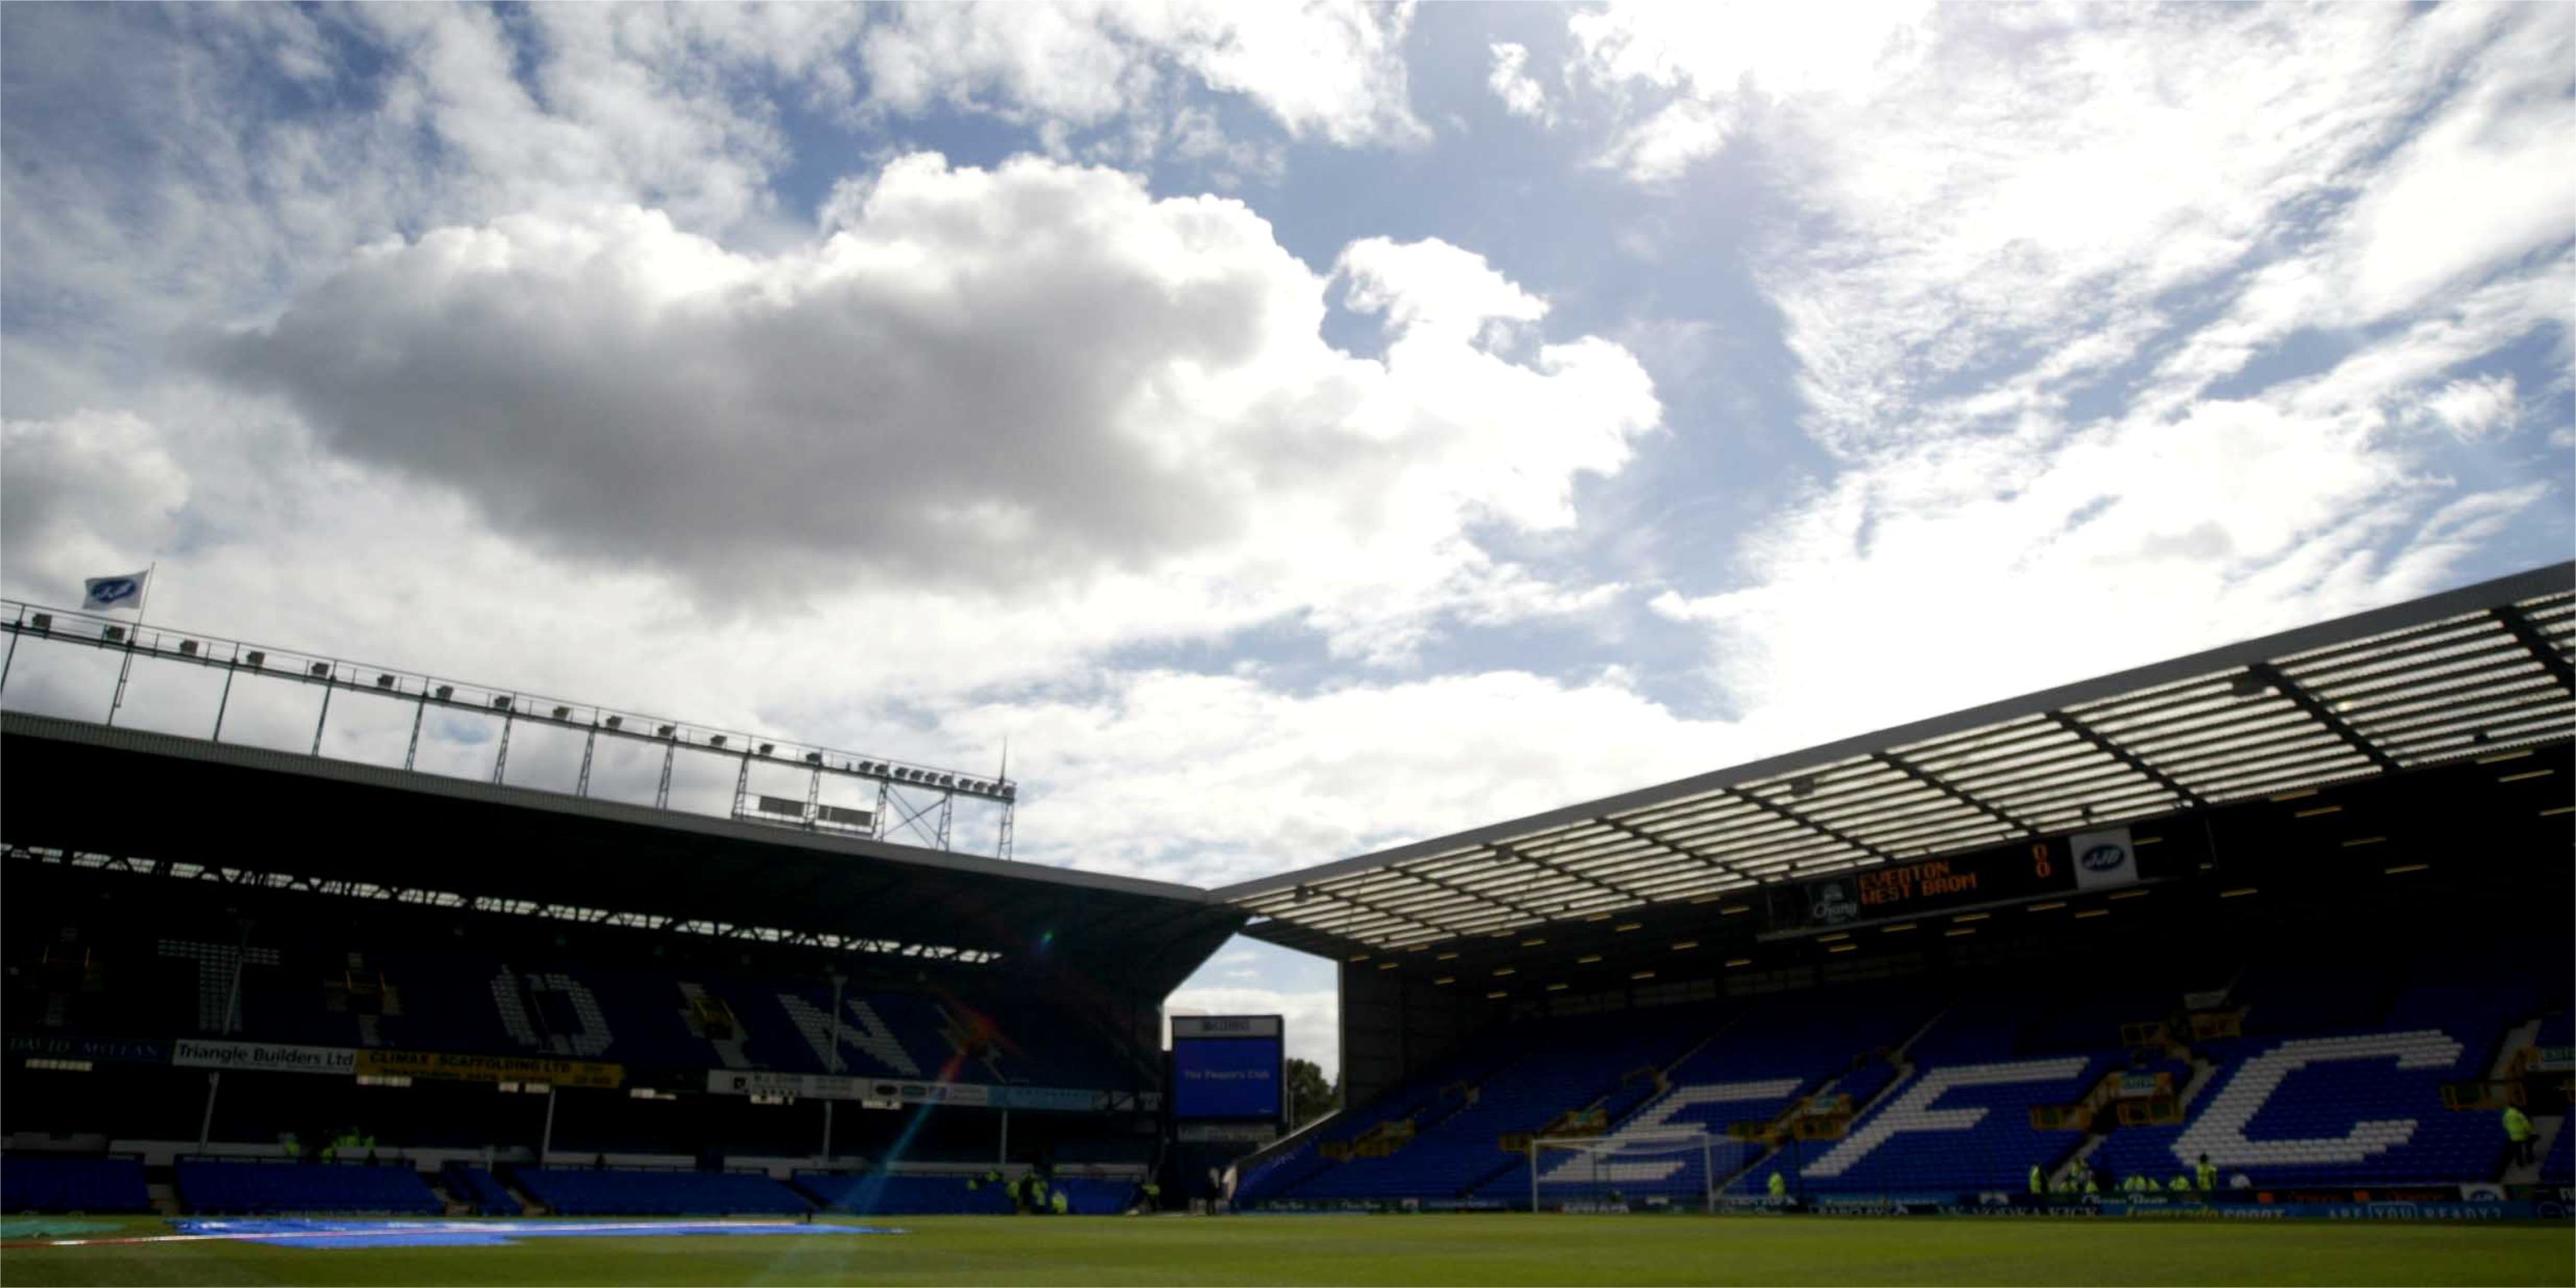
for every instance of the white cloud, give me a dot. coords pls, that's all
(1972, 570)
(1511, 82)
(2488, 180)
(1035, 375)
(1325, 69)
(2474, 409)
(624, 114)
(2026, 259)
(1711, 63)
(82, 494)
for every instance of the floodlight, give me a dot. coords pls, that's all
(1804, 785)
(445, 692)
(501, 703)
(319, 670)
(2247, 686)
(768, 747)
(666, 731)
(187, 648)
(113, 634)
(813, 758)
(42, 621)
(384, 681)
(254, 657)
(616, 722)
(563, 713)
(716, 741)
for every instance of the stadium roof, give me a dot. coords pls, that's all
(2470, 672)
(190, 809)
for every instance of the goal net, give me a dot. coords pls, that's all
(1622, 1172)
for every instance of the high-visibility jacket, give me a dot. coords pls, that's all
(2091, 1186)
(2207, 1175)
(2038, 1184)
(1779, 1185)
(1059, 1204)
(2517, 1124)
(2181, 1185)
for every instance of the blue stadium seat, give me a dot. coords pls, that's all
(213, 1186)
(2559, 1166)
(1574, 1065)
(59, 1183)
(886, 1194)
(575, 1191)
(481, 1189)
(2340, 1108)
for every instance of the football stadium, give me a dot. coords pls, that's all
(2248, 966)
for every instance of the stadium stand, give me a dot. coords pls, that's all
(1573, 1067)
(1088, 1196)
(227, 1186)
(573, 1191)
(886, 1194)
(489, 1006)
(481, 1190)
(2559, 1167)
(1775, 1054)
(898, 1194)
(2334, 910)
(1942, 1087)
(56, 1183)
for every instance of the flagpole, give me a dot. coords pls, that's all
(126, 668)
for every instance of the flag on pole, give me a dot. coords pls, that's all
(115, 592)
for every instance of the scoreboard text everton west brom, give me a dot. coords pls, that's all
(2017, 872)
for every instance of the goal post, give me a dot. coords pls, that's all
(1601, 1173)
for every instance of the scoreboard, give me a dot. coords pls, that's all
(2010, 873)
(1228, 1066)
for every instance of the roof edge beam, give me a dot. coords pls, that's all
(1714, 864)
(1509, 851)
(1947, 788)
(1314, 892)
(1820, 829)
(1477, 895)
(2510, 616)
(2115, 751)
(2318, 711)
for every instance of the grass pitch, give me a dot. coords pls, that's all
(1478, 1249)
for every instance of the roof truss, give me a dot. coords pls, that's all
(2469, 673)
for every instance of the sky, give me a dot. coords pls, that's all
(1292, 430)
